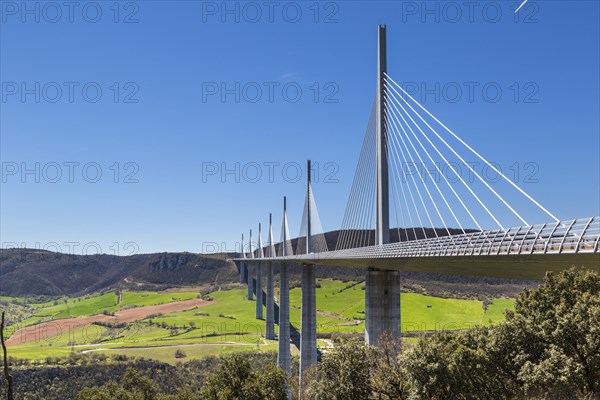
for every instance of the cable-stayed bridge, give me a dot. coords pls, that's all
(410, 175)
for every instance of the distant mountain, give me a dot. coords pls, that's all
(27, 272)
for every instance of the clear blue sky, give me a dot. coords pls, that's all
(162, 125)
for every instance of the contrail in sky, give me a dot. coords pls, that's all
(522, 4)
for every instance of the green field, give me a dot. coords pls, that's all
(96, 304)
(140, 299)
(229, 324)
(65, 307)
(79, 306)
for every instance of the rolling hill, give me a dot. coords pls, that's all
(30, 272)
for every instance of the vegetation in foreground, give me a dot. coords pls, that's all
(547, 348)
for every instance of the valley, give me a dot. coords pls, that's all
(181, 323)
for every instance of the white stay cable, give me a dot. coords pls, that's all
(474, 152)
(396, 195)
(364, 186)
(369, 202)
(462, 181)
(356, 190)
(423, 163)
(418, 169)
(412, 176)
(414, 203)
(394, 102)
(464, 162)
(399, 175)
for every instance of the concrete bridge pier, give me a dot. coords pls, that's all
(250, 282)
(241, 263)
(308, 329)
(243, 278)
(270, 331)
(308, 333)
(283, 354)
(249, 268)
(258, 291)
(382, 305)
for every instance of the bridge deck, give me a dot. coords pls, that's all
(525, 252)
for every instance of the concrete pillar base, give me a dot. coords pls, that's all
(308, 333)
(270, 326)
(243, 278)
(250, 282)
(382, 305)
(283, 355)
(259, 292)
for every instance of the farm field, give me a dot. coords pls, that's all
(109, 302)
(224, 325)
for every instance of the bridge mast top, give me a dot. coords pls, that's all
(250, 252)
(308, 216)
(284, 226)
(382, 234)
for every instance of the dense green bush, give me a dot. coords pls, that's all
(548, 348)
(235, 379)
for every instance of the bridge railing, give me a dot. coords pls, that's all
(576, 236)
(564, 237)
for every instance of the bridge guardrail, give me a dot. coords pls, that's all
(563, 237)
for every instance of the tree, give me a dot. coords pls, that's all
(136, 382)
(228, 381)
(549, 347)
(134, 386)
(344, 372)
(7, 376)
(390, 378)
(183, 394)
(558, 326)
(110, 391)
(456, 366)
(269, 384)
(236, 380)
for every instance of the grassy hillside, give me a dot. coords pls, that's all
(65, 307)
(140, 299)
(79, 306)
(228, 324)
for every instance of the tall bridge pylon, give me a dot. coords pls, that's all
(382, 287)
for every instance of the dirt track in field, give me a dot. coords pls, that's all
(46, 330)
